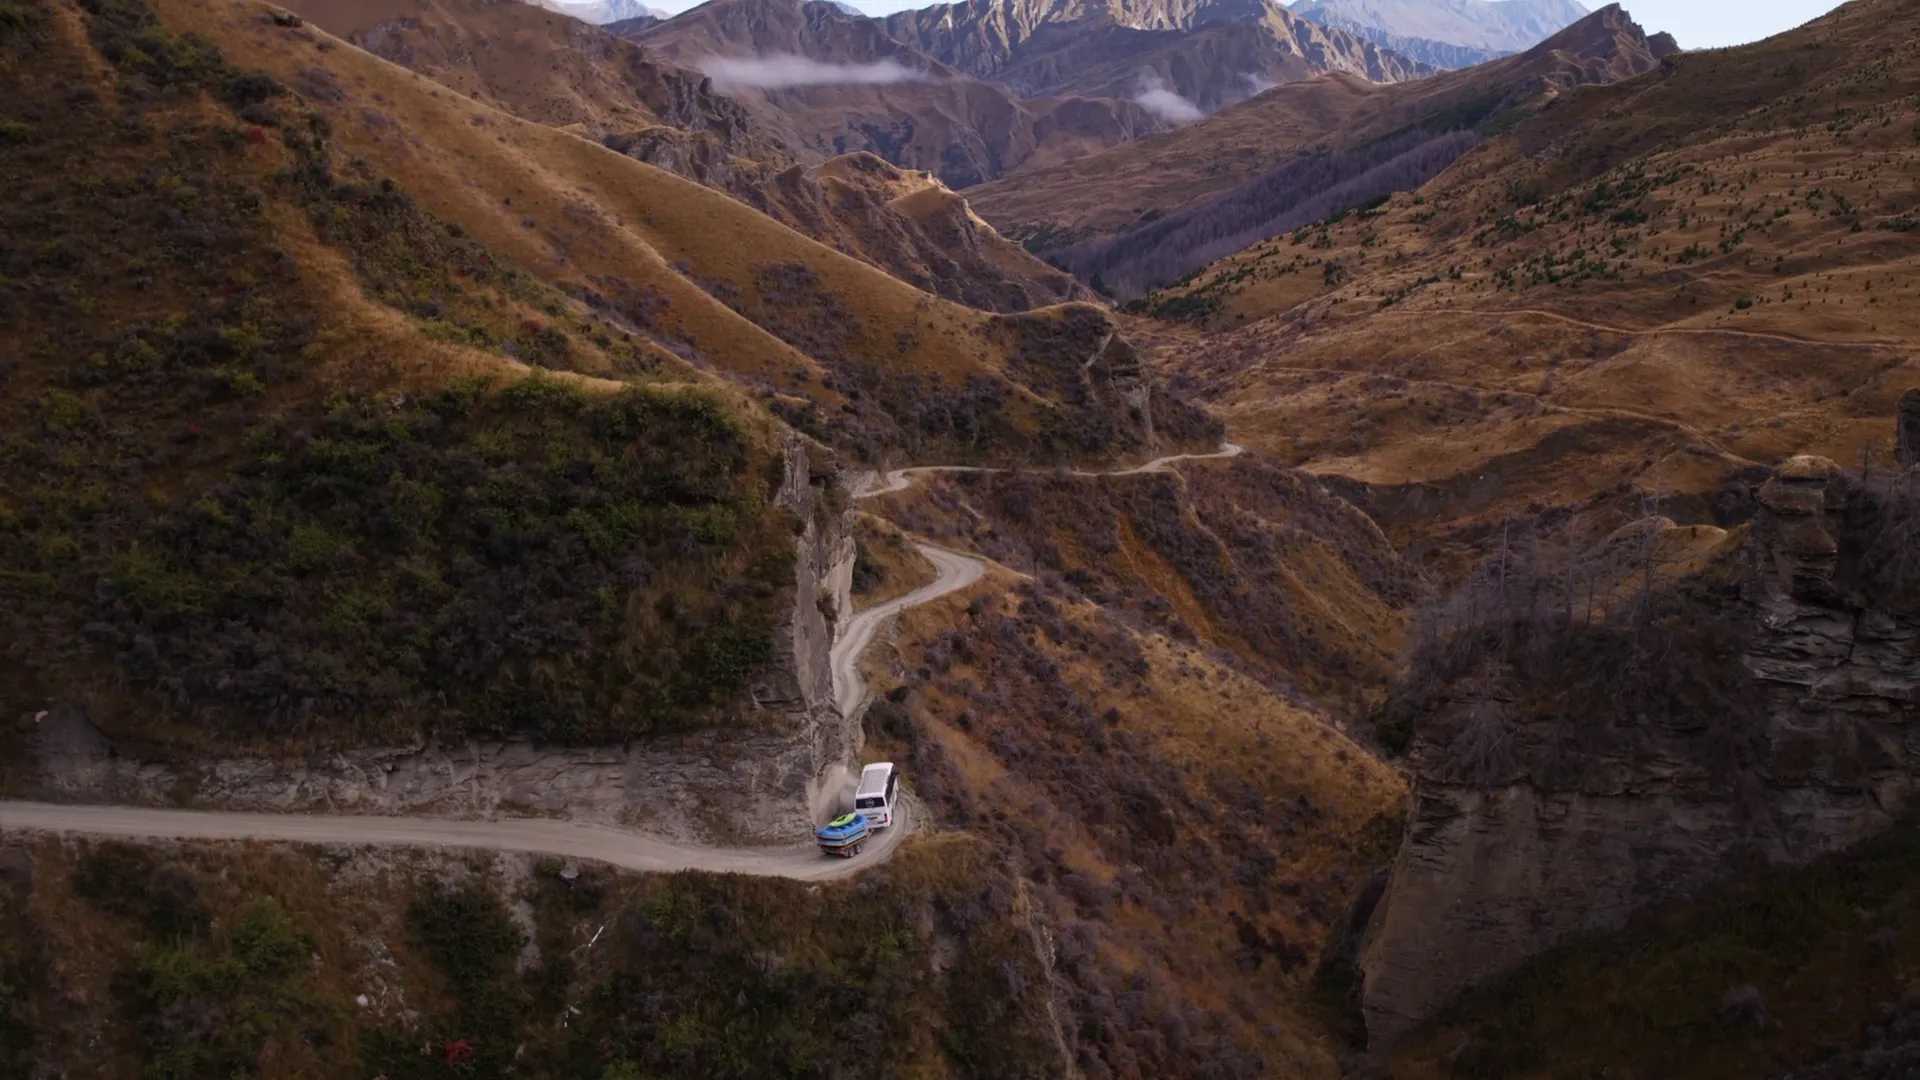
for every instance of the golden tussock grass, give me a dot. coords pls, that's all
(1192, 716)
(594, 213)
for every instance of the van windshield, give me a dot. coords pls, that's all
(872, 802)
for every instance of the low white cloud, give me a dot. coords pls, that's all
(777, 71)
(1157, 98)
(1256, 83)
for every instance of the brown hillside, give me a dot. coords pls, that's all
(555, 70)
(1243, 556)
(1122, 706)
(921, 231)
(843, 349)
(539, 65)
(1165, 173)
(1192, 834)
(1635, 294)
(276, 472)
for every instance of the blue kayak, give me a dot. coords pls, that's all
(843, 835)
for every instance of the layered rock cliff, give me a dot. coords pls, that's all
(754, 782)
(1794, 735)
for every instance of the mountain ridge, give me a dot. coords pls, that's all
(977, 91)
(1033, 45)
(602, 12)
(1487, 28)
(1172, 171)
(828, 83)
(554, 70)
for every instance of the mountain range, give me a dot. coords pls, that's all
(980, 90)
(1447, 33)
(976, 91)
(601, 12)
(1175, 171)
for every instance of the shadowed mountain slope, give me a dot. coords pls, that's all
(1156, 176)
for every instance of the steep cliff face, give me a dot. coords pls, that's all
(1525, 833)
(754, 782)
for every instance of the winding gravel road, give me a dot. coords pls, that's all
(901, 479)
(633, 851)
(954, 571)
(571, 839)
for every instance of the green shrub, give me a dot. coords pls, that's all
(15, 18)
(466, 932)
(61, 410)
(265, 943)
(476, 558)
(209, 1010)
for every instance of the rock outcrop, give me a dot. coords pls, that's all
(1817, 748)
(749, 784)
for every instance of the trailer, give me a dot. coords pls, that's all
(843, 835)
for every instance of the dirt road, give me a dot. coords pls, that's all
(953, 571)
(633, 851)
(567, 839)
(901, 479)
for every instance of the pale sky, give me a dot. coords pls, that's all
(1710, 24)
(1697, 24)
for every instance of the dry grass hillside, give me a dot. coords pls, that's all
(886, 564)
(916, 228)
(1636, 294)
(283, 460)
(1143, 705)
(537, 64)
(1162, 174)
(1191, 836)
(836, 346)
(1238, 556)
(549, 68)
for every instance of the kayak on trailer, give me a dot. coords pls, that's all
(843, 835)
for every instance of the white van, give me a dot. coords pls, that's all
(879, 789)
